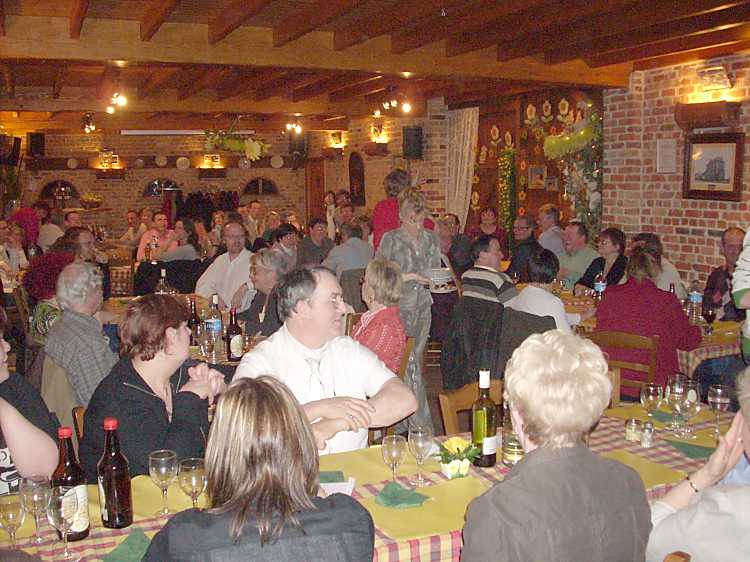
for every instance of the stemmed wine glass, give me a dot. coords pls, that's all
(675, 395)
(61, 513)
(709, 315)
(718, 400)
(35, 493)
(420, 445)
(11, 514)
(162, 467)
(394, 451)
(650, 398)
(691, 405)
(207, 344)
(192, 478)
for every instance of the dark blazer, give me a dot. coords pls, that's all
(340, 530)
(144, 423)
(251, 316)
(616, 272)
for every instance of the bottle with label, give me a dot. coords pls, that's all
(70, 475)
(193, 323)
(671, 288)
(162, 287)
(512, 448)
(484, 423)
(212, 323)
(695, 303)
(234, 338)
(113, 477)
(600, 284)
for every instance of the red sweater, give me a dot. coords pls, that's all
(641, 308)
(383, 333)
(385, 217)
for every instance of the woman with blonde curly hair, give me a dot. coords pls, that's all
(263, 478)
(562, 501)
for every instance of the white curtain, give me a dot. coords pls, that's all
(463, 128)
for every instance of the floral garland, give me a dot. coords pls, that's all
(506, 188)
(254, 149)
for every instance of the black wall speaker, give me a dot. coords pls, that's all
(413, 143)
(298, 145)
(35, 144)
(11, 152)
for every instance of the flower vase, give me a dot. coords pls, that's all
(455, 469)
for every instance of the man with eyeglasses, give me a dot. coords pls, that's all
(227, 276)
(343, 387)
(524, 245)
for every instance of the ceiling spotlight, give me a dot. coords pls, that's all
(298, 129)
(386, 105)
(394, 103)
(110, 109)
(376, 113)
(406, 107)
(120, 100)
(289, 126)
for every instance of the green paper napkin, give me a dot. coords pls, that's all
(331, 476)
(396, 496)
(662, 417)
(690, 450)
(132, 549)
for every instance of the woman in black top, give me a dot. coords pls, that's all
(612, 261)
(266, 269)
(262, 471)
(160, 402)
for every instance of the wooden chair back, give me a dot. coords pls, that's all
(352, 288)
(352, 319)
(614, 377)
(454, 401)
(78, 413)
(24, 312)
(625, 340)
(121, 279)
(677, 556)
(432, 352)
(57, 392)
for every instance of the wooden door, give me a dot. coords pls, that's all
(315, 186)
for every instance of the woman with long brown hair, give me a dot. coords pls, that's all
(263, 477)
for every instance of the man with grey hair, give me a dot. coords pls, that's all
(76, 342)
(343, 387)
(551, 237)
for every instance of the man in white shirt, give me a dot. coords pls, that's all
(551, 237)
(51, 231)
(229, 275)
(252, 217)
(352, 253)
(132, 236)
(343, 387)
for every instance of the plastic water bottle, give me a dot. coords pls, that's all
(600, 284)
(695, 302)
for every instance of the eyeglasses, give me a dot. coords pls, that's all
(336, 299)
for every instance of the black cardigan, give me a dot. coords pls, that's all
(144, 425)
(616, 272)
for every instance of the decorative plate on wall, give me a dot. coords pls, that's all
(183, 163)
(161, 160)
(138, 163)
(72, 163)
(244, 163)
(277, 161)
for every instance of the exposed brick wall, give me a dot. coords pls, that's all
(636, 198)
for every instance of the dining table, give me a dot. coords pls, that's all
(429, 532)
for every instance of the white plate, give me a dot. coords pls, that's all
(244, 163)
(277, 161)
(443, 290)
(161, 160)
(183, 163)
(72, 163)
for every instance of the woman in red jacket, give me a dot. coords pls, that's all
(639, 307)
(380, 328)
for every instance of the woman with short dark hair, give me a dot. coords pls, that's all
(160, 400)
(263, 478)
(612, 261)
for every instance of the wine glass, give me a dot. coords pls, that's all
(192, 478)
(35, 493)
(61, 513)
(675, 395)
(709, 315)
(11, 514)
(691, 406)
(394, 451)
(162, 467)
(718, 400)
(207, 344)
(650, 398)
(420, 445)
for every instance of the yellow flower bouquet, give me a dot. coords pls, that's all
(456, 455)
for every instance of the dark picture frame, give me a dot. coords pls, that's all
(713, 166)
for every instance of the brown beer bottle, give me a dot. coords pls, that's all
(193, 322)
(70, 475)
(113, 477)
(234, 338)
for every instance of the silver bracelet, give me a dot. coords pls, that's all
(692, 484)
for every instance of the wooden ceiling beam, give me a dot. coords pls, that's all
(78, 10)
(160, 75)
(292, 80)
(10, 85)
(246, 81)
(156, 14)
(2, 18)
(317, 14)
(335, 82)
(59, 80)
(652, 34)
(402, 16)
(232, 15)
(206, 78)
(365, 88)
(688, 43)
(492, 93)
(691, 56)
(47, 38)
(526, 22)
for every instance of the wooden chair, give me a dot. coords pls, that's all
(30, 347)
(57, 392)
(432, 352)
(121, 279)
(352, 288)
(625, 340)
(455, 401)
(614, 376)
(351, 320)
(677, 556)
(78, 413)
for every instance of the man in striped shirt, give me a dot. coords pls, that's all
(485, 280)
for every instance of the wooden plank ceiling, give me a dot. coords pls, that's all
(194, 63)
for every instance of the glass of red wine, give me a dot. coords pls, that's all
(709, 315)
